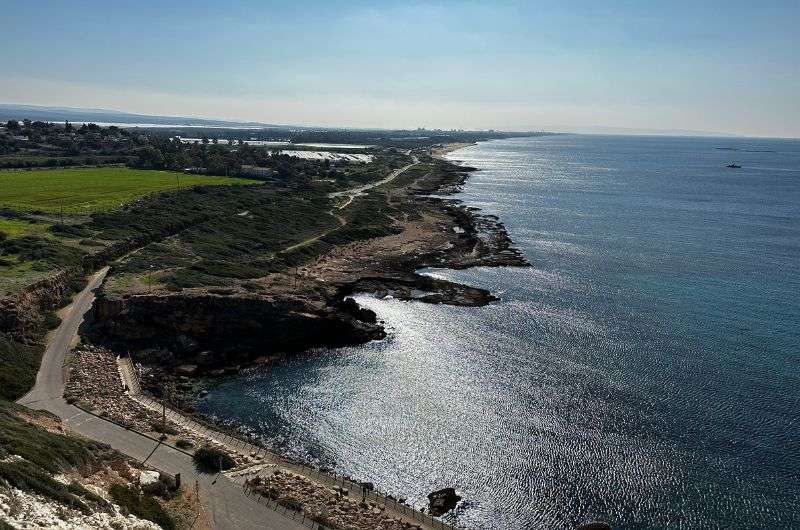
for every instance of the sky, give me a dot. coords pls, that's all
(730, 67)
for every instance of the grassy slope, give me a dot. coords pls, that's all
(88, 190)
(44, 452)
(19, 363)
(31, 247)
(235, 233)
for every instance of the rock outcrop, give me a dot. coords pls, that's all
(22, 314)
(215, 330)
(442, 501)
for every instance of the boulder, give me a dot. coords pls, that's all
(205, 358)
(442, 501)
(148, 477)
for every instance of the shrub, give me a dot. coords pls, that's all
(184, 444)
(209, 459)
(47, 251)
(163, 428)
(144, 506)
(51, 320)
(91, 243)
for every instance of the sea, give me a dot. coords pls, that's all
(644, 371)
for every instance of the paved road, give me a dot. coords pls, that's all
(224, 503)
(50, 379)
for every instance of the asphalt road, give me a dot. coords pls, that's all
(224, 503)
(50, 379)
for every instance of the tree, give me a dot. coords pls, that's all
(150, 157)
(12, 124)
(73, 148)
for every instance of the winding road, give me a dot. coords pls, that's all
(224, 503)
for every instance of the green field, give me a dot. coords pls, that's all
(87, 190)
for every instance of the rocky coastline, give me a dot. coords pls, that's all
(218, 331)
(185, 340)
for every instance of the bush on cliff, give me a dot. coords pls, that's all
(184, 444)
(163, 428)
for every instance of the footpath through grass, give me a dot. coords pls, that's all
(87, 190)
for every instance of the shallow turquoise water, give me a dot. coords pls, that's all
(644, 371)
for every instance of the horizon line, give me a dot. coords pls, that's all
(598, 130)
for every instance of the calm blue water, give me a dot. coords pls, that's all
(644, 371)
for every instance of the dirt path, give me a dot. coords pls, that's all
(352, 193)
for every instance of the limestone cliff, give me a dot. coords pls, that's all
(216, 330)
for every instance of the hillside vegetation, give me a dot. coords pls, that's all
(37, 458)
